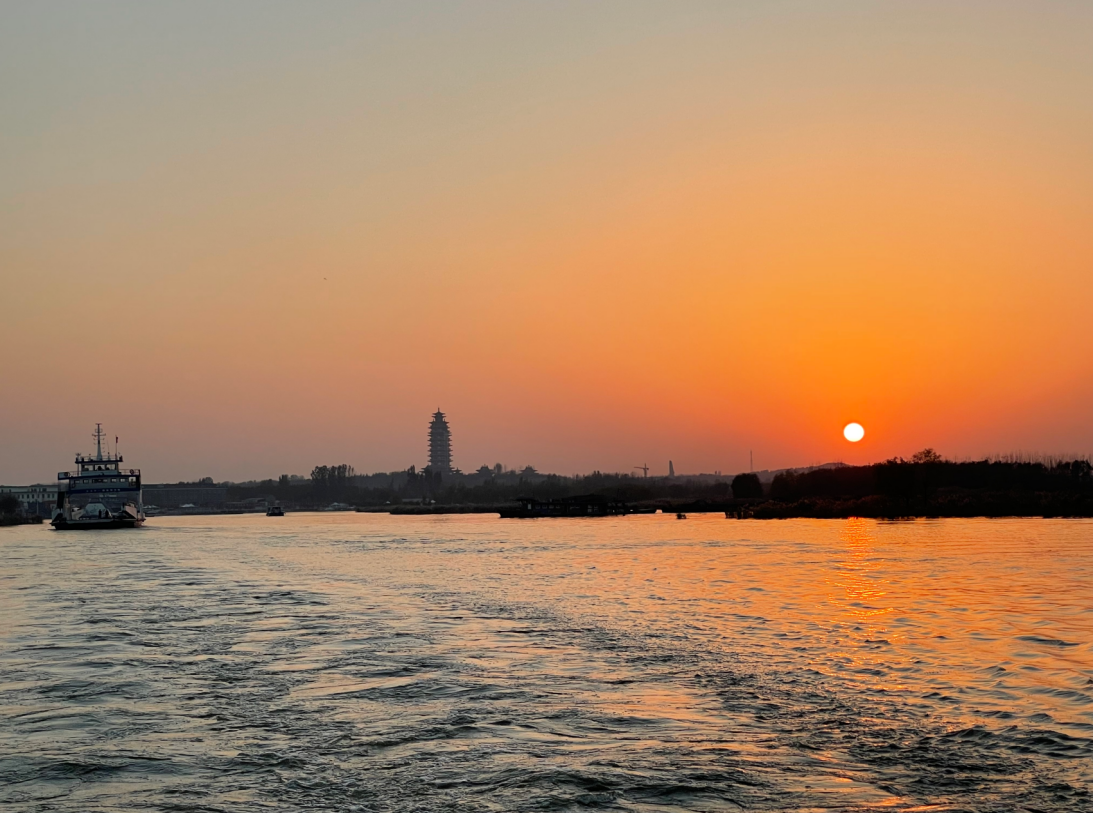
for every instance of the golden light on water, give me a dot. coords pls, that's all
(853, 432)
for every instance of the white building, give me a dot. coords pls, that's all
(36, 499)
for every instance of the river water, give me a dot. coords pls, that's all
(376, 663)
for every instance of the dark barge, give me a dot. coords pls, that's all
(590, 505)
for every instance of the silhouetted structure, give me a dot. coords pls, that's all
(440, 445)
(587, 505)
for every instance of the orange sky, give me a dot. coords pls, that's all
(255, 238)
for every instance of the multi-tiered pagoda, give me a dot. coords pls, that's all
(440, 444)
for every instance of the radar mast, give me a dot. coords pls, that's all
(98, 435)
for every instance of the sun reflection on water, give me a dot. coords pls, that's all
(834, 664)
(857, 586)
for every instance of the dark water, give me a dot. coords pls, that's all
(375, 663)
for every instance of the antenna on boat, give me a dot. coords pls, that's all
(98, 441)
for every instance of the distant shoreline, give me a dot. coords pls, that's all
(925, 486)
(987, 507)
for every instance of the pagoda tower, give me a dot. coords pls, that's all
(440, 444)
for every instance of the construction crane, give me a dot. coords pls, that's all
(644, 470)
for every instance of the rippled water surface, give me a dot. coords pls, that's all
(376, 663)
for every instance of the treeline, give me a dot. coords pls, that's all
(329, 482)
(623, 488)
(927, 485)
(11, 512)
(487, 487)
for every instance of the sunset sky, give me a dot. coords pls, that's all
(254, 237)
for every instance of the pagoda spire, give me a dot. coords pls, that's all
(440, 444)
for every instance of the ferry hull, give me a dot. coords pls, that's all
(62, 524)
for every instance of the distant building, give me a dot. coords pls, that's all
(440, 444)
(36, 499)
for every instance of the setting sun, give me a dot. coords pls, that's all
(454, 320)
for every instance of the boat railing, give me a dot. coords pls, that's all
(69, 475)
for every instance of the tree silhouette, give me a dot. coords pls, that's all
(926, 456)
(745, 486)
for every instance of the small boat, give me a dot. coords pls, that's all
(681, 515)
(275, 511)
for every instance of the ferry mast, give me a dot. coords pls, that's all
(98, 435)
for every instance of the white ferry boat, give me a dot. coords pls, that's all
(99, 494)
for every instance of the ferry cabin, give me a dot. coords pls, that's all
(100, 479)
